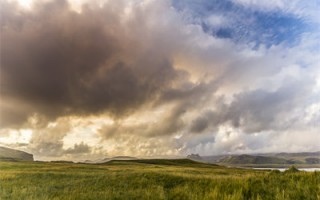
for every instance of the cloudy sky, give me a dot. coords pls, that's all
(159, 78)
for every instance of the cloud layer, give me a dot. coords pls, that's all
(140, 78)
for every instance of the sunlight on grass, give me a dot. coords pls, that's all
(130, 180)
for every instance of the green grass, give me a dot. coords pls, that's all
(151, 179)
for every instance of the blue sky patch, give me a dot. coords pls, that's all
(243, 24)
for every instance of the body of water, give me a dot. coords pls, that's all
(284, 169)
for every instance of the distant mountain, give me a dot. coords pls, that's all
(104, 160)
(176, 162)
(195, 157)
(62, 161)
(301, 154)
(312, 160)
(123, 158)
(251, 159)
(267, 158)
(7, 154)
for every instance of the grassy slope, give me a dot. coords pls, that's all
(7, 154)
(151, 179)
(304, 159)
(250, 159)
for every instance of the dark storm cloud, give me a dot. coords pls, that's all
(181, 101)
(201, 123)
(57, 62)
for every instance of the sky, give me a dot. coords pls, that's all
(84, 79)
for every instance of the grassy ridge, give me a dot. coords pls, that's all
(151, 179)
(7, 154)
(174, 162)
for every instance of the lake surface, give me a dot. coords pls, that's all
(283, 169)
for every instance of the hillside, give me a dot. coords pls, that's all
(168, 162)
(250, 159)
(7, 154)
(300, 154)
(104, 160)
(303, 158)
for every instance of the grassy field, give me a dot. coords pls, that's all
(152, 179)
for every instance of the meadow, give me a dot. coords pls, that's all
(151, 179)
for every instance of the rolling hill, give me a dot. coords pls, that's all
(251, 159)
(307, 158)
(7, 154)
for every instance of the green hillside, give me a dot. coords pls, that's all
(250, 159)
(7, 154)
(280, 159)
(175, 162)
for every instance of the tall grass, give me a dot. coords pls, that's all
(136, 180)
